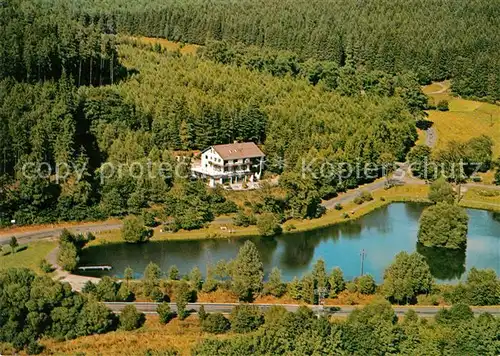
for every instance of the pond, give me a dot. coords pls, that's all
(381, 234)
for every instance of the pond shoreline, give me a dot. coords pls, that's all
(331, 218)
(389, 229)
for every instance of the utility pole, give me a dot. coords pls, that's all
(363, 255)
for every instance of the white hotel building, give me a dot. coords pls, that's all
(231, 163)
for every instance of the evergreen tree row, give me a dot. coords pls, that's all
(38, 44)
(436, 40)
(171, 102)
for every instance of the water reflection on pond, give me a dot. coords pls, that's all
(382, 234)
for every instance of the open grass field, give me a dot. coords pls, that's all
(29, 257)
(437, 88)
(480, 198)
(168, 45)
(465, 119)
(152, 336)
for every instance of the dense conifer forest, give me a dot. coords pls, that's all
(435, 39)
(335, 81)
(92, 120)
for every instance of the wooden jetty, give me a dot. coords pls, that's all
(94, 268)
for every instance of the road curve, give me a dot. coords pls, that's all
(341, 311)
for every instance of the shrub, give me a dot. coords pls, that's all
(477, 179)
(209, 285)
(157, 295)
(45, 266)
(245, 318)
(124, 294)
(242, 219)
(424, 299)
(226, 207)
(149, 218)
(441, 191)
(351, 287)
(366, 284)
(164, 312)
(358, 200)
(274, 314)
(366, 195)
(134, 231)
(442, 105)
(268, 225)
(67, 257)
(173, 273)
(338, 206)
(215, 323)
(202, 315)
(488, 193)
(130, 318)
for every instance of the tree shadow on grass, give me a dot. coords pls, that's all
(424, 124)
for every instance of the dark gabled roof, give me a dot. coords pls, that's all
(238, 150)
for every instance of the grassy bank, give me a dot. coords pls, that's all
(479, 198)
(413, 193)
(28, 255)
(464, 120)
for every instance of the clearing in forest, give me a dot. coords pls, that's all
(464, 120)
(168, 45)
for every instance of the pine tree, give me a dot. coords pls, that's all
(247, 272)
(295, 289)
(319, 275)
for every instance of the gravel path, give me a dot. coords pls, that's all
(77, 282)
(431, 137)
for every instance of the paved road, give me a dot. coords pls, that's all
(48, 232)
(51, 232)
(341, 311)
(398, 177)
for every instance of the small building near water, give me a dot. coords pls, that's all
(230, 163)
